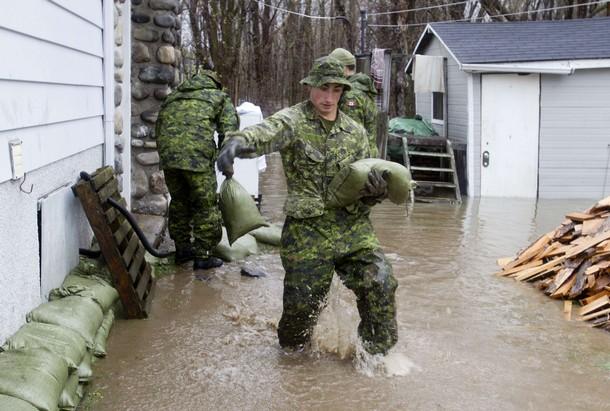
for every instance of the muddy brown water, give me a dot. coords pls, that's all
(468, 340)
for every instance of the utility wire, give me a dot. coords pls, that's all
(492, 16)
(417, 9)
(299, 14)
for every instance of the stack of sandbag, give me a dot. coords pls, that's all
(47, 361)
(247, 244)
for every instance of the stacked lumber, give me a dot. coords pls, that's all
(572, 263)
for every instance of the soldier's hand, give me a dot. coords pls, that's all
(231, 149)
(375, 189)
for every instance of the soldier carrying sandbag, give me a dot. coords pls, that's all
(315, 141)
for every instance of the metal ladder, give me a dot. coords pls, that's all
(432, 165)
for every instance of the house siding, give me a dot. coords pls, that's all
(457, 118)
(575, 135)
(52, 99)
(474, 187)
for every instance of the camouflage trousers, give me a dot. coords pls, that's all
(312, 249)
(194, 210)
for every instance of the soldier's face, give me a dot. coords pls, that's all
(325, 99)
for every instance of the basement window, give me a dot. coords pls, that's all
(438, 107)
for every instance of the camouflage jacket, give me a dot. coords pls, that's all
(358, 105)
(365, 84)
(311, 156)
(187, 121)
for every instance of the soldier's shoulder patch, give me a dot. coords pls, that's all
(351, 103)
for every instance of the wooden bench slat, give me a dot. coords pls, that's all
(134, 307)
(121, 233)
(132, 245)
(144, 281)
(101, 177)
(108, 190)
(136, 264)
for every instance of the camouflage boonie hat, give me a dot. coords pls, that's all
(326, 70)
(345, 57)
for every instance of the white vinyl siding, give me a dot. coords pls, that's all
(575, 135)
(457, 115)
(51, 83)
(53, 86)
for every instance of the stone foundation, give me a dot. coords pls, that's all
(154, 71)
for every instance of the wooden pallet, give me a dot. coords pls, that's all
(122, 249)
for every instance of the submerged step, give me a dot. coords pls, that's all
(435, 184)
(443, 170)
(429, 154)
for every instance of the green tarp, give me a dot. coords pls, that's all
(417, 126)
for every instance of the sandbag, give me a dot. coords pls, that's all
(85, 372)
(344, 189)
(8, 403)
(239, 212)
(87, 286)
(80, 314)
(243, 247)
(271, 235)
(71, 395)
(35, 375)
(102, 334)
(89, 267)
(62, 341)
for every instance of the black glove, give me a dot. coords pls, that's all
(231, 149)
(375, 189)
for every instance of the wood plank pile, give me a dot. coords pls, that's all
(572, 263)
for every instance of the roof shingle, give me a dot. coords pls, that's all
(520, 41)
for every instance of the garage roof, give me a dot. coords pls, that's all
(521, 41)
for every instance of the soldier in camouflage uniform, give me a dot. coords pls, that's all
(359, 102)
(315, 141)
(185, 140)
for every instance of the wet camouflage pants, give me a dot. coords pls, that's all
(193, 208)
(312, 249)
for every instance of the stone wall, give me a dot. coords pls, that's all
(120, 162)
(154, 70)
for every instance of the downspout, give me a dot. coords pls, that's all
(446, 99)
(108, 40)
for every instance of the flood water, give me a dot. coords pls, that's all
(468, 340)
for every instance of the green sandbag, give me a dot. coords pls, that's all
(268, 235)
(80, 314)
(85, 372)
(34, 375)
(243, 247)
(89, 267)
(345, 187)
(62, 341)
(71, 395)
(102, 334)
(87, 286)
(8, 403)
(239, 212)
